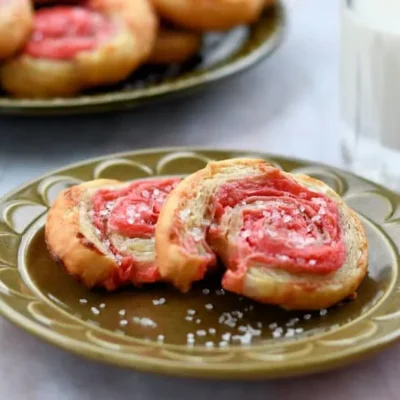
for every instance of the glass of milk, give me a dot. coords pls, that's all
(370, 88)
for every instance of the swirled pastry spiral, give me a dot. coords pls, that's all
(285, 239)
(102, 231)
(76, 47)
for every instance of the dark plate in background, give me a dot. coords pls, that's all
(223, 55)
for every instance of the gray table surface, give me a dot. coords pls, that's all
(287, 105)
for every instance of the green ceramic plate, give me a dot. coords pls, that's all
(223, 55)
(37, 295)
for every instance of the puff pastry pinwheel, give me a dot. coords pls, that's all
(102, 231)
(75, 47)
(284, 239)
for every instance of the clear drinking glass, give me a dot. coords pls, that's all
(370, 89)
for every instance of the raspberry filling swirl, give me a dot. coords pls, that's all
(279, 223)
(125, 220)
(266, 220)
(61, 32)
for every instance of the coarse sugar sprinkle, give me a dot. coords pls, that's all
(159, 302)
(145, 322)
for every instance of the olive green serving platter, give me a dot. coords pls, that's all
(148, 329)
(223, 55)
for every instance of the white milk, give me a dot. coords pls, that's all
(370, 87)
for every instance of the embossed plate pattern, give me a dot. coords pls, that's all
(37, 295)
(223, 55)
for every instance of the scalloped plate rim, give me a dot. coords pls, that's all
(170, 149)
(152, 364)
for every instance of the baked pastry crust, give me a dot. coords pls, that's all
(105, 257)
(74, 244)
(111, 61)
(193, 228)
(205, 15)
(16, 20)
(175, 46)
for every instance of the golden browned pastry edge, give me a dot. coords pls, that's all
(16, 20)
(68, 243)
(175, 266)
(175, 46)
(206, 15)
